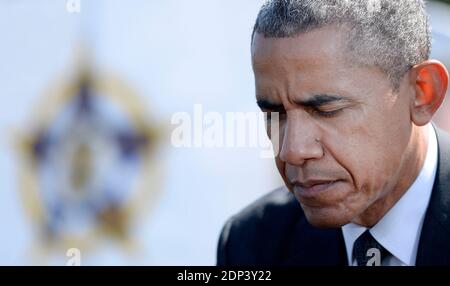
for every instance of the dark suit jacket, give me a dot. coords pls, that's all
(274, 231)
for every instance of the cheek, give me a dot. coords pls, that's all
(371, 163)
(281, 169)
(370, 147)
(359, 157)
(281, 165)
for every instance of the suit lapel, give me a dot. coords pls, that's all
(313, 246)
(434, 243)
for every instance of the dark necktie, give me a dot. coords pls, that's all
(367, 251)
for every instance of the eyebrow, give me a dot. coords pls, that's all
(265, 104)
(313, 102)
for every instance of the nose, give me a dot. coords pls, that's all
(300, 140)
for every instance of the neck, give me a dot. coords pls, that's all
(409, 169)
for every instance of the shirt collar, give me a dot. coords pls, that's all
(399, 230)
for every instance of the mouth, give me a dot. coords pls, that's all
(313, 187)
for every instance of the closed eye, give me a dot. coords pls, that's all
(327, 114)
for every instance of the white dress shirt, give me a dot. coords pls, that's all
(399, 229)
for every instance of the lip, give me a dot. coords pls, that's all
(312, 187)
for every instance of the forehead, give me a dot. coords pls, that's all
(315, 61)
(322, 46)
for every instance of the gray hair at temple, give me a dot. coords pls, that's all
(391, 34)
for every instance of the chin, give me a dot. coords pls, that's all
(325, 217)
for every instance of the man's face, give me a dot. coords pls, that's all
(344, 133)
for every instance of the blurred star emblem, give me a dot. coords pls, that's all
(89, 161)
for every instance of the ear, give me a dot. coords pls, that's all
(430, 80)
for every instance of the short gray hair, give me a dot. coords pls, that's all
(391, 34)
